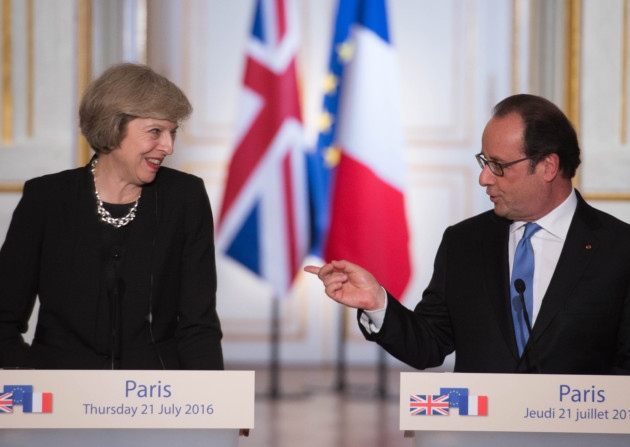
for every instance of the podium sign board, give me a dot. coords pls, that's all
(514, 403)
(88, 399)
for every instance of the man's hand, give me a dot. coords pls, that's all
(349, 284)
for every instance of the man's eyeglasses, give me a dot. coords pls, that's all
(495, 167)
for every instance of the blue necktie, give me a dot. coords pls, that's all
(523, 268)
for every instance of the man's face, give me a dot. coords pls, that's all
(522, 192)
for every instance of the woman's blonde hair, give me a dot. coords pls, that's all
(124, 92)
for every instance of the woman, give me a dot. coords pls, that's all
(120, 252)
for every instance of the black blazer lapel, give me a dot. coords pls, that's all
(578, 251)
(497, 273)
(86, 226)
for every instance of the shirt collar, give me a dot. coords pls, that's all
(558, 221)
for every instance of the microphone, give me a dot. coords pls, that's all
(520, 287)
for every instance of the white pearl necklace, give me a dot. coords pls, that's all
(104, 214)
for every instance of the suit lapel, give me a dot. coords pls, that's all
(496, 272)
(579, 248)
(86, 225)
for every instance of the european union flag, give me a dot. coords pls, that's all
(458, 397)
(18, 392)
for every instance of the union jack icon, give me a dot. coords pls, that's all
(6, 402)
(428, 405)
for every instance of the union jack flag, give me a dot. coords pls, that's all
(6, 402)
(421, 404)
(263, 223)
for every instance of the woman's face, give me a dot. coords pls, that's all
(146, 144)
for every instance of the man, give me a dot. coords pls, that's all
(579, 315)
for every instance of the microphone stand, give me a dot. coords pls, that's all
(519, 285)
(114, 294)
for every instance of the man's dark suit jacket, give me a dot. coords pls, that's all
(583, 326)
(53, 249)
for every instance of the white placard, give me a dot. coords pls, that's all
(514, 403)
(126, 399)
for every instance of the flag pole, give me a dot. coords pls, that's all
(381, 389)
(341, 351)
(275, 370)
(274, 367)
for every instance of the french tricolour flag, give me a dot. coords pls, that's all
(263, 223)
(37, 403)
(358, 185)
(474, 406)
